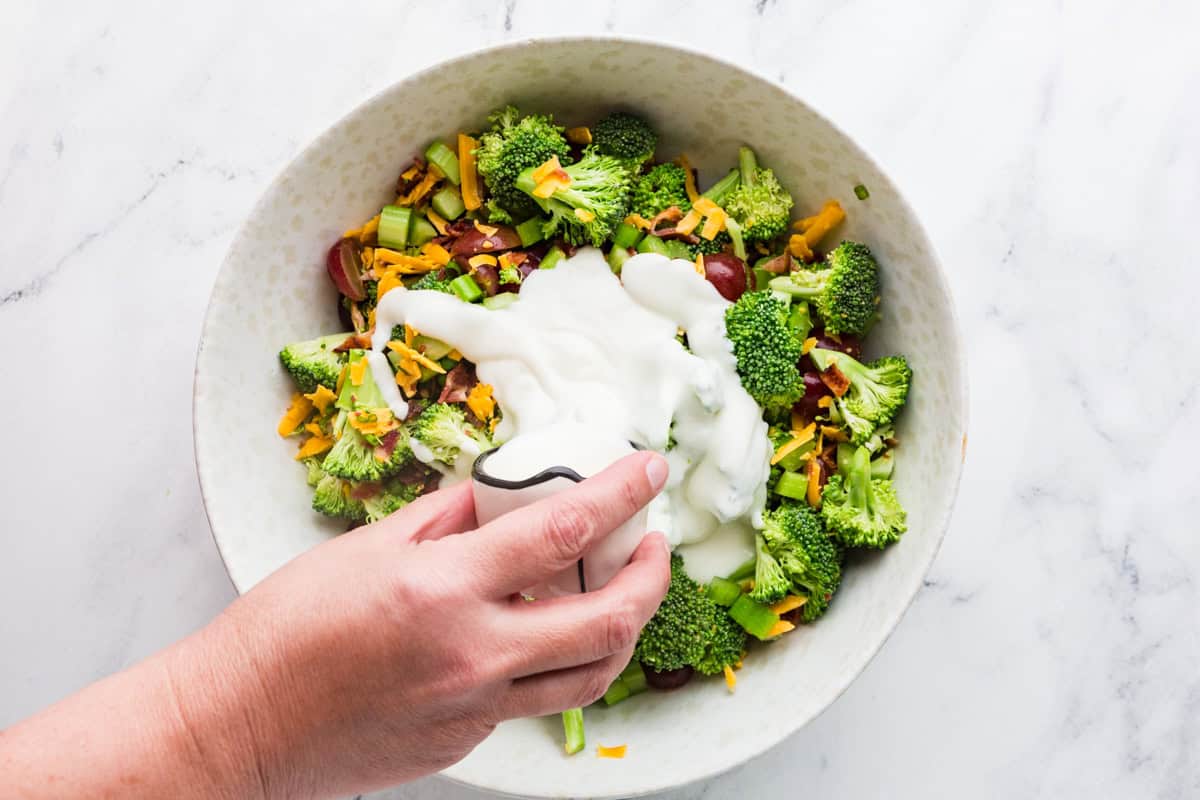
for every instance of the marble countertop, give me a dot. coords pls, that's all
(1053, 150)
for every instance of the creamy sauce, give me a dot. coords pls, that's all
(582, 346)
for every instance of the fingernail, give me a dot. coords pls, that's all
(656, 471)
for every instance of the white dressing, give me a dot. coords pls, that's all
(582, 346)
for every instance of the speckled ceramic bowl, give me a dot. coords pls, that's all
(272, 289)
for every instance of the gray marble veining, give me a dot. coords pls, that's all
(1053, 150)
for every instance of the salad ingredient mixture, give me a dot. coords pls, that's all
(529, 276)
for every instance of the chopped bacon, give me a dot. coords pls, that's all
(780, 264)
(671, 214)
(362, 491)
(837, 382)
(673, 233)
(356, 318)
(459, 382)
(415, 406)
(357, 341)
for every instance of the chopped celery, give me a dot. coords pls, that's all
(552, 257)
(616, 692)
(677, 249)
(723, 592)
(652, 244)
(421, 231)
(441, 156)
(466, 288)
(531, 231)
(616, 258)
(755, 618)
(793, 460)
(634, 677)
(431, 347)
(626, 235)
(845, 454)
(735, 233)
(573, 728)
(394, 223)
(793, 485)
(499, 301)
(448, 203)
(882, 467)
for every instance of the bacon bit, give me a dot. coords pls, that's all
(322, 398)
(638, 221)
(780, 628)
(297, 412)
(835, 379)
(808, 345)
(584, 216)
(799, 439)
(779, 265)
(436, 253)
(546, 169)
(813, 229)
(314, 445)
(836, 434)
(730, 678)
(671, 214)
(481, 259)
(813, 495)
(459, 382)
(714, 223)
(481, 402)
(408, 353)
(355, 341)
(689, 222)
(611, 752)
(356, 318)
(792, 601)
(699, 265)
(689, 183)
(580, 136)
(825, 402)
(469, 176)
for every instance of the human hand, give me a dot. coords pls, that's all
(391, 651)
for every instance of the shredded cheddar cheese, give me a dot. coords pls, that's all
(813, 229)
(358, 371)
(322, 398)
(730, 678)
(835, 434)
(546, 169)
(780, 628)
(297, 412)
(638, 221)
(481, 259)
(469, 175)
(432, 176)
(808, 345)
(689, 222)
(455, 354)
(689, 184)
(789, 603)
(799, 439)
(552, 184)
(408, 353)
(436, 253)
(375, 422)
(714, 223)
(611, 752)
(403, 263)
(314, 428)
(481, 402)
(387, 282)
(584, 216)
(314, 445)
(436, 221)
(813, 495)
(825, 402)
(699, 265)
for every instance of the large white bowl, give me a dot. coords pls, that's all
(273, 289)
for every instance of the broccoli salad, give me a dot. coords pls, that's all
(529, 274)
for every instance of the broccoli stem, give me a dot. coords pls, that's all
(573, 728)
(748, 164)
(860, 479)
(718, 190)
(634, 677)
(617, 691)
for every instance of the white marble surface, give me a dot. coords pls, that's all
(1053, 150)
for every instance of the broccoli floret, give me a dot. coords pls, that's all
(625, 136)
(709, 246)
(845, 290)
(724, 643)
(659, 189)
(431, 281)
(760, 205)
(510, 275)
(391, 497)
(771, 583)
(860, 511)
(675, 636)
(588, 209)
(372, 291)
(496, 213)
(355, 457)
(444, 431)
(811, 560)
(514, 144)
(314, 362)
(315, 473)
(766, 349)
(332, 498)
(877, 390)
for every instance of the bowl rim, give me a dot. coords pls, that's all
(942, 522)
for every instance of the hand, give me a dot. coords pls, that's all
(391, 651)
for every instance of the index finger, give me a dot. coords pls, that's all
(524, 546)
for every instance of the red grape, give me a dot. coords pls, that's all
(345, 269)
(728, 275)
